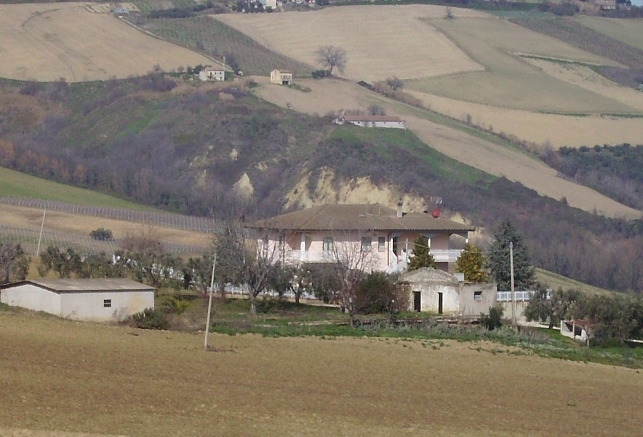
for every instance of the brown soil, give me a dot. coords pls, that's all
(77, 377)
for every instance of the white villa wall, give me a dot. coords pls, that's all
(290, 250)
(32, 297)
(90, 306)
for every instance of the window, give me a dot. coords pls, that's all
(328, 244)
(366, 244)
(477, 295)
(107, 303)
(381, 244)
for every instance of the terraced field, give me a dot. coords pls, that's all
(381, 41)
(45, 42)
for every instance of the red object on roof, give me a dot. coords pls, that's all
(435, 213)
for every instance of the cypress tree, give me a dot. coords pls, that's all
(420, 256)
(499, 262)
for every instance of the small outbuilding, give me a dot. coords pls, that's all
(99, 300)
(281, 77)
(440, 292)
(216, 74)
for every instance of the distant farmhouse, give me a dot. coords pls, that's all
(209, 73)
(385, 121)
(281, 77)
(120, 11)
(99, 300)
(605, 5)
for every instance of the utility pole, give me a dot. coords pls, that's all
(42, 225)
(207, 323)
(513, 293)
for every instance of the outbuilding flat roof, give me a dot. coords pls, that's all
(84, 285)
(371, 217)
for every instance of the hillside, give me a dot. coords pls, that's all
(74, 42)
(216, 149)
(476, 67)
(16, 184)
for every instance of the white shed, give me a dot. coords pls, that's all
(440, 292)
(99, 300)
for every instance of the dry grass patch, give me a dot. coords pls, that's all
(555, 130)
(75, 377)
(45, 42)
(84, 224)
(381, 41)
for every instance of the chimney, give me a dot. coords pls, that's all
(399, 210)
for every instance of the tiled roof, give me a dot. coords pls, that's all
(85, 285)
(358, 217)
(372, 118)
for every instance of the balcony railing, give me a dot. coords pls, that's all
(445, 256)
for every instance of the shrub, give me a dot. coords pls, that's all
(320, 74)
(173, 305)
(150, 319)
(31, 88)
(494, 319)
(102, 234)
(377, 293)
(265, 304)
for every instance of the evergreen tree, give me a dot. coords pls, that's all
(420, 256)
(471, 263)
(499, 262)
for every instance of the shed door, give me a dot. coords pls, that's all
(439, 303)
(417, 301)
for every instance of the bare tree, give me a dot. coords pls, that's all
(330, 57)
(354, 258)
(242, 261)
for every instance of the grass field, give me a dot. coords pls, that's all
(13, 183)
(584, 37)
(217, 39)
(73, 377)
(555, 282)
(508, 81)
(377, 47)
(553, 129)
(47, 42)
(626, 31)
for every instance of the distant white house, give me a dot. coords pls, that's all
(216, 74)
(100, 300)
(280, 77)
(385, 121)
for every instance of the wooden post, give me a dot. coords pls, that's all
(207, 323)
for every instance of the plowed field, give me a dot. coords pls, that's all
(74, 377)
